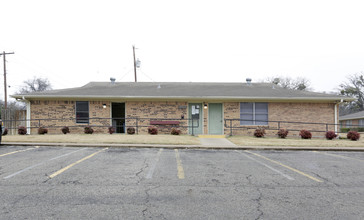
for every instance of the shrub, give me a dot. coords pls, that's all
(22, 130)
(152, 130)
(130, 130)
(353, 135)
(282, 133)
(111, 130)
(305, 134)
(5, 132)
(175, 131)
(42, 130)
(89, 130)
(65, 130)
(259, 132)
(330, 135)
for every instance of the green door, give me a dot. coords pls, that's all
(195, 116)
(215, 118)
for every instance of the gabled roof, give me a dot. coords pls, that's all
(183, 91)
(357, 115)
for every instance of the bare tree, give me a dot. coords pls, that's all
(35, 85)
(354, 87)
(289, 83)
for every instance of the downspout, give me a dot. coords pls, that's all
(336, 115)
(28, 115)
(336, 104)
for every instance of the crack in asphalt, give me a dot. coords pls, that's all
(257, 200)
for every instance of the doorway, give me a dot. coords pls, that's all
(118, 117)
(215, 118)
(195, 116)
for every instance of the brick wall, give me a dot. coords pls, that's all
(63, 111)
(295, 112)
(157, 110)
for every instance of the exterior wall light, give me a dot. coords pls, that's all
(103, 105)
(205, 106)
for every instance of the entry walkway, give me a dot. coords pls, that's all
(215, 140)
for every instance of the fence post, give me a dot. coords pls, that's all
(192, 127)
(231, 128)
(327, 127)
(136, 125)
(279, 125)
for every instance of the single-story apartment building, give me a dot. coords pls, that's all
(355, 120)
(195, 108)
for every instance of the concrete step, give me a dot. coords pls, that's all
(211, 136)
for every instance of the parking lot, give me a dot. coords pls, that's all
(141, 183)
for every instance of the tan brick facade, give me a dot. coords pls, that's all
(156, 110)
(63, 113)
(144, 110)
(289, 112)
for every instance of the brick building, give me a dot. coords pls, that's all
(355, 120)
(214, 107)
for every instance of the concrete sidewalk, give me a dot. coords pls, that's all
(206, 144)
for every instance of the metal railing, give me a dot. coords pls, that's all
(231, 124)
(97, 122)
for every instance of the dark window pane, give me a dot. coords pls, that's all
(82, 112)
(261, 107)
(246, 107)
(246, 119)
(261, 119)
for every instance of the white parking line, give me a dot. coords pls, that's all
(269, 167)
(31, 167)
(152, 168)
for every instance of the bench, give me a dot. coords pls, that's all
(164, 122)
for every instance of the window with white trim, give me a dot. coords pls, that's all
(253, 113)
(82, 112)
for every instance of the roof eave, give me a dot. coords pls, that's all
(206, 98)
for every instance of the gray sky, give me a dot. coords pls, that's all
(73, 42)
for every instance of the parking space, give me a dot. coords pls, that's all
(63, 182)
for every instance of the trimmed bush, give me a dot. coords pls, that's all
(65, 130)
(305, 134)
(42, 130)
(259, 132)
(22, 130)
(111, 130)
(88, 130)
(152, 130)
(5, 132)
(282, 133)
(175, 131)
(330, 135)
(353, 135)
(130, 130)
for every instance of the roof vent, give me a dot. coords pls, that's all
(248, 81)
(159, 86)
(112, 80)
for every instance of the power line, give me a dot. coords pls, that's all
(5, 87)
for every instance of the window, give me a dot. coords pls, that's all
(361, 123)
(349, 123)
(82, 114)
(254, 113)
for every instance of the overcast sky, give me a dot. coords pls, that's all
(73, 42)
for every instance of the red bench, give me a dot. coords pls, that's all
(164, 122)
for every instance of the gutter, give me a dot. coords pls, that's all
(202, 98)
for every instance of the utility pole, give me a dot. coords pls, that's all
(5, 86)
(135, 75)
(136, 63)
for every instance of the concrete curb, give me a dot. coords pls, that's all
(200, 147)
